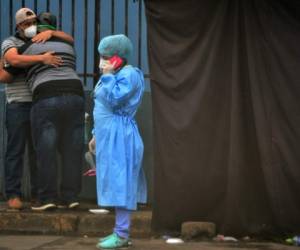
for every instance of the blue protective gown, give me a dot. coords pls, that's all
(119, 147)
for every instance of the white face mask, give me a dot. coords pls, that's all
(102, 63)
(30, 31)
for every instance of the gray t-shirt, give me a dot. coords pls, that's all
(18, 90)
(40, 73)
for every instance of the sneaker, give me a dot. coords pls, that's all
(15, 203)
(106, 238)
(70, 205)
(43, 206)
(74, 204)
(112, 235)
(112, 242)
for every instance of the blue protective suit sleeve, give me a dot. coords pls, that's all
(117, 90)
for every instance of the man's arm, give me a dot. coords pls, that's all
(47, 34)
(15, 59)
(5, 77)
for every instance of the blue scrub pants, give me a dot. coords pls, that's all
(122, 225)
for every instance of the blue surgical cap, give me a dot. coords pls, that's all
(115, 45)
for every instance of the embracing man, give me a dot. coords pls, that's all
(57, 119)
(19, 101)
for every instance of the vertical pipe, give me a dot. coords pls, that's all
(48, 6)
(60, 14)
(73, 17)
(85, 40)
(35, 6)
(140, 34)
(112, 16)
(11, 28)
(97, 37)
(0, 30)
(126, 17)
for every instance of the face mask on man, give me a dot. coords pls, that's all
(30, 31)
(102, 63)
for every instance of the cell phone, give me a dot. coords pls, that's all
(117, 60)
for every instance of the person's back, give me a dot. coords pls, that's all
(46, 80)
(57, 122)
(19, 101)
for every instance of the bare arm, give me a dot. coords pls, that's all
(5, 77)
(63, 35)
(92, 145)
(47, 34)
(22, 61)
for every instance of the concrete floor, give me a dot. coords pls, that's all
(9, 242)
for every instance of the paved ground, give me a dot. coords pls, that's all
(87, 243)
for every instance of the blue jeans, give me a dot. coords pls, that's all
(18, 135)
(58, 126)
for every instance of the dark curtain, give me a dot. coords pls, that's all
(225, 79)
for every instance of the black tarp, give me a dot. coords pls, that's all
(225, 79)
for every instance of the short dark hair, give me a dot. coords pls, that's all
(47, 18)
